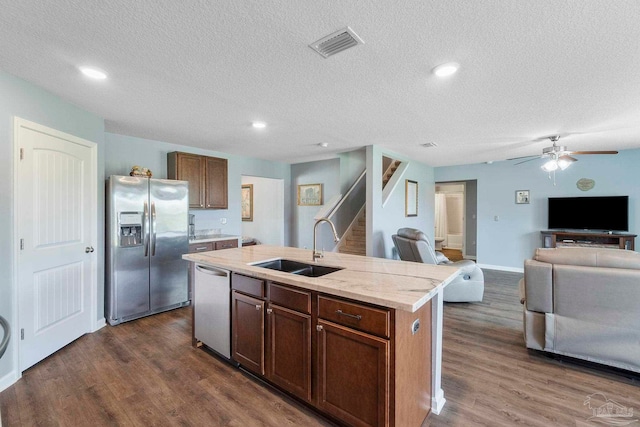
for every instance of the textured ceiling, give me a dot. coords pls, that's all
(198, 72)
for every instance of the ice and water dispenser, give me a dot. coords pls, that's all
(130, 228)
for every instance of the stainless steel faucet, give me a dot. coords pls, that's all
(317, 254)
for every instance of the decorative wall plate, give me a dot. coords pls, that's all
(585, 184)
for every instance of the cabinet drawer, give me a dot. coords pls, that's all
(287, 297)
(226, 244)
(247, 285)
(200, 247)
(368, 319)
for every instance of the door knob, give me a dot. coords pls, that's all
(88, 249)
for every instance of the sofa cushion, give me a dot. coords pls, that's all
(590, 257)
(602, 295)
(538, 286)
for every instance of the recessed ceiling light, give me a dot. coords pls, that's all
(259, 125)
(94, 73)
(444, 70)
(323, 144)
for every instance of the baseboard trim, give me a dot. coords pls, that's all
(8, 380)
(437, 402)
(99, 324)
(502, 268)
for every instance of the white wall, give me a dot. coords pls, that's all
(268, 211)
(25, 100)
(507, 242)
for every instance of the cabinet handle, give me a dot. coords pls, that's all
(353, 316)
(212, 271)
(258, 307)
(269, 311)
(319, 328)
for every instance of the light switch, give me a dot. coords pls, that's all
(496, 218)
(224, 220)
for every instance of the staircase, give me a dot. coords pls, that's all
(389, 172)
(355, 240)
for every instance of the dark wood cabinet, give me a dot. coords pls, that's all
(201, 247)
(286, 358)
(289, 350)
(247, 331)
(364, 365)
(553, 239)
(215, 188)
(353, 375)
(226, 244)
(207, 177)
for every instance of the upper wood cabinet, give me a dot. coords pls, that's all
(207, 177)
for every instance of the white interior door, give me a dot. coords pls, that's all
(56, 222)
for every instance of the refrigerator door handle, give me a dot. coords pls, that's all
(145, 229)
(153, 228)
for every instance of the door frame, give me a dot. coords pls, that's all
(465, 255)
(93, 185)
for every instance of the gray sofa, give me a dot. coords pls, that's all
(584, 303)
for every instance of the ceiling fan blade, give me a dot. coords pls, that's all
(525, 161)
(567, 157)
(524, 157)
(592, 152)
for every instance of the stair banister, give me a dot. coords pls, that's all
(335, 209)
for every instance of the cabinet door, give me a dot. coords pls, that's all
(289, 350)
(353, 375)
(226, 244)
(216, 183)
(190, 167)
(248, 332)
(200, 247)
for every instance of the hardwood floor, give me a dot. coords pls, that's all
(452, 254)
(145, 372)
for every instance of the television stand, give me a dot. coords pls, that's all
(557, 239)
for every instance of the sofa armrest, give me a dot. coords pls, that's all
(538, 286)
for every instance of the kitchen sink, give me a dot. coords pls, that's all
(297, 267)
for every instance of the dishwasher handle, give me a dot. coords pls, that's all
(212, 271)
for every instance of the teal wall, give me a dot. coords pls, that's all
(122, 152)
(506, 243)
(327, 173)
(22, 99)
(383, 222)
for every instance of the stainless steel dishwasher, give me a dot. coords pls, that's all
(212, 308)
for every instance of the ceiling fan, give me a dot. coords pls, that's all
(558, 155)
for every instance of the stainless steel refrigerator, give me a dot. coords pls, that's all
(147, 226)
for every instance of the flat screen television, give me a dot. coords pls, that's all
(606, 213)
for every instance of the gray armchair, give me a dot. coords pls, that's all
(413, 245)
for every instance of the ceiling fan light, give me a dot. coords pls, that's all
(565, 162)
(550, 166)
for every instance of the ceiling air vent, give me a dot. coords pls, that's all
(336, 42)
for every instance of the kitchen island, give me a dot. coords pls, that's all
(374, 357)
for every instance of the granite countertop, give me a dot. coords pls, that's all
(212, 238)
(389, 283)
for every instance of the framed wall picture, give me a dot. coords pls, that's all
(247, 202)
(310, 195)
(522, 197)
(411, 198)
